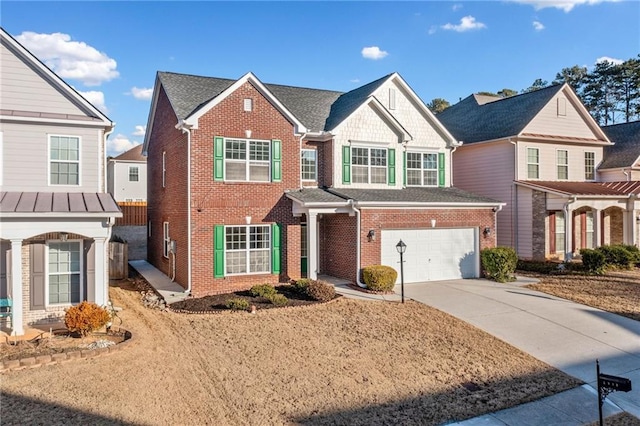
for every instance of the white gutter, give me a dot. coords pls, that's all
(627, 174)
(104, 160)
(300, 156)
(186, 128)
(357, 212)
(453, 149)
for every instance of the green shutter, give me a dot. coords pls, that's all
(276, 160)
(404, 168)
(275, 248)
(218, 158)
(441, 169)
(218, 251)
(392, 166)
(346, 164)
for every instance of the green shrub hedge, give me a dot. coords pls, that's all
(499, 263)
(263, 290)
(619, 256)
(379, 277)
(278, 299)
(594, 261)
(301, 285)
(237, 304)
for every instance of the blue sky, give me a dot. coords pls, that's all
(110, 51)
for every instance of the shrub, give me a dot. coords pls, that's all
(594, 261)
(301, 285)
(320, 291)
(278, 299)
(263, 290)
(237, 304)
(634, 250)
(618, 256)
(499, 263)
(379, 277)
(539, 266)
(85, 318)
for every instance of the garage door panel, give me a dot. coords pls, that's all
(432, 254)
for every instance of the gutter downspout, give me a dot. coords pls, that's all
(300, 174)
(453, 149)
(104, 173)
(357, 212)
(567, 241)
(514, 211)
(627, 174)
(187, 129)
(110, 222)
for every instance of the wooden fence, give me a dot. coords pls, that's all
(118, 261)
(134, 213)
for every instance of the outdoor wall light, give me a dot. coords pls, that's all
(487, 232)
(371, 235)
(247, 219)
(433, 223)
(247, 133)
(64, 236)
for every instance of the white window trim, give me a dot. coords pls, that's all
(48, 304)
(558, 164)
(248, 250)
(247, 104)
(49, 160)
(166, 239)
(315, 177)
(137, 169)
(369, 166)
(585, 166)
(164, 169)
(528, 163)
(247, 161)
(422, 169)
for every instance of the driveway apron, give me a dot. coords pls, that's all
(564, 334)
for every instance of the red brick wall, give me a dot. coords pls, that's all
(168, 204)
(338, 245)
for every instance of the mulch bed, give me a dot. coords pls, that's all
(216, 303)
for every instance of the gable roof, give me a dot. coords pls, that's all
(626, 151)
(93, 114)
(474, 119)
(586, 189)
(134, 154)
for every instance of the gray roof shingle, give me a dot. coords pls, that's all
(474, 119)
(626, 150)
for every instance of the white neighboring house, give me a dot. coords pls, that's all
(56, 215)
(127, 176)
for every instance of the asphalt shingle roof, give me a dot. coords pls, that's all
(134, 154)
(626, 150)
(471, 120)
(404, 195)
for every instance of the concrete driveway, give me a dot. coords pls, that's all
(564, 334)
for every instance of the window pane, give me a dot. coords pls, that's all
(359, 174)
(360, 156)
(236, 238)
(378, 175)
(64, 272)
(236, 262)
(308, 164)
(259, 237)
(431, 161)
(413, 177)
(559, 232)
(303, 240)
(259, 172)
(235, 149)
(259, 261)
(379, 157)
(589, 165)
(532, 171)
(236, 171)
(430, 177)
(259, 151)
(413, 160)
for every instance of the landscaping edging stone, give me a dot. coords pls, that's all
(40, 360)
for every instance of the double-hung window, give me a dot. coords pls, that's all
(309, 164)
(247, 249)
(65, 278)
(562, 164)
(64, 160)
(247, 160)
(533, 163)
(589, 165)
(369, 165)
(422, 169)
(166, 239)
(134, 173)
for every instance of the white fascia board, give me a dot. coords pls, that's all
(248, 77)
(375, 103)
(568, 194)
(43, 120)
(61, 215)
(413, 205)
(427, 111)
(542, 139)
(152, 114)
(53, 77)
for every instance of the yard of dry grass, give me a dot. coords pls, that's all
(346, 362)
(617, 292)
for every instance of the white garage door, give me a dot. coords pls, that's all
(432, 254)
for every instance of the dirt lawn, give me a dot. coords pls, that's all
(617, 292)
(346, 362)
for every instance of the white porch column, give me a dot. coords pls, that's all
(17, 327)
(597, 227)
(568, 234)
(312, 245)
(101, 287)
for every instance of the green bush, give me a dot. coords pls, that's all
(263, 290)
(85, 318)
(539, 266)
(379, 277)
(278, 299)
(499, 263)
(634, 250)
(320, 291)
(301, 285)
(237, 304)
(618, 256)
(594, 261)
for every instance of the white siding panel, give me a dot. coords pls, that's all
(548, 159)
(124, 189)
(26, 157)
(548, 122)
(22, 88)
(488, 170)
(525, 223)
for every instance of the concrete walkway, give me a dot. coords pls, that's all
(171, 291)
(565, 335)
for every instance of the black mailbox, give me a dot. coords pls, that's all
(614, 383)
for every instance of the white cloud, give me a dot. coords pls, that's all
(118, 144)
(74, 60)
(566, 5)
(142, 93)
(355, 80)
(373, 52)
(467, 23)
(456, 7)
(96, 98)
(140, 131)
(538, 26)
(432, 30)
(608, 59)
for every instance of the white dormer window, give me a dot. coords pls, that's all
(64, 160)
(248, 104)
(422, 169)
(392, 98)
